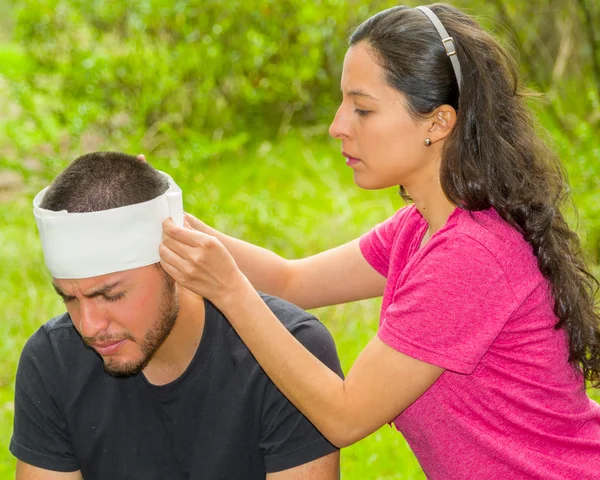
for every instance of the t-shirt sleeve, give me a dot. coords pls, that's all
(40, 435)
(453, 304)
(288, 438)
(376, 244)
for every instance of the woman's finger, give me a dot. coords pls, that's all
(193, 221)
(192, 238)
(183, 271)
(182, 250)
(172, 272)
(171, 257)
(191, 262)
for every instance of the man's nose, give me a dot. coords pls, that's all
(91, 319)
(339, 127)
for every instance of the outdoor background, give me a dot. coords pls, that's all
(234, 100)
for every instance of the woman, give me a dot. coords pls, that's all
(488, 327)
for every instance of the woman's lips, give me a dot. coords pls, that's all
(107, 348)
(350, 160)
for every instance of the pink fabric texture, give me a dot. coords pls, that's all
(473, 301)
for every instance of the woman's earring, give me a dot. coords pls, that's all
(427, 142)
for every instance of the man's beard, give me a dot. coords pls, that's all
(155, 336)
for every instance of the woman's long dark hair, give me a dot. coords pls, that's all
(493, 157)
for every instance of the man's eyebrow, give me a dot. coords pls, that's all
(59, 291)
(360, 93)
(95, 293)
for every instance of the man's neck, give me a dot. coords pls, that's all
(178, 350)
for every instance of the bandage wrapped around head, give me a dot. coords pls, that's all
(83, 245)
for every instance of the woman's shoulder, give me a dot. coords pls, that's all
(491, 231)
(403, 223)
(408, 213)
(489, 238)
(407, 219)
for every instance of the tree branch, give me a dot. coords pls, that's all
(534, 72)
(591, 34)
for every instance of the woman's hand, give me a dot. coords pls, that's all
(195, 224)
(200, 263)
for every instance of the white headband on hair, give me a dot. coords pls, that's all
(83, 245)
(447, 41)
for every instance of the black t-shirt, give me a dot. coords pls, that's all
(221, 419)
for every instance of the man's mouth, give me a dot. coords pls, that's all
(107, 348)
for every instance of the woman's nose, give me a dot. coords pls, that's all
(339, 127)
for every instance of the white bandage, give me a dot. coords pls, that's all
(83, 245)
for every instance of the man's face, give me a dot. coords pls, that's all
(124, 316)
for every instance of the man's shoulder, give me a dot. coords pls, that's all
(61, 325)
(292, 316)
(307, 329)
(56, 343)
(304, 326)
(51, 332)
(297, 321)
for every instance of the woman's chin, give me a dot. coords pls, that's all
(367, 182)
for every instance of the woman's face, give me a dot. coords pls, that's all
(382, 143)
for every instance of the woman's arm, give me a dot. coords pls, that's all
(332, 277)
(380, 385)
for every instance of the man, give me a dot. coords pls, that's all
(141, 378)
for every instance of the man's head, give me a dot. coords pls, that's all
(124, 315)
(104, 180)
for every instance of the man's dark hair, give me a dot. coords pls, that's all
(104, 180)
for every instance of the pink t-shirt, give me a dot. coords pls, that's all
(473, 301)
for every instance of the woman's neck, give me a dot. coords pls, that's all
(432, 204)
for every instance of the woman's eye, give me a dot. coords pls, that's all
(114, 298)
(361, 113)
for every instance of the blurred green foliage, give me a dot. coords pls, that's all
(193, 80)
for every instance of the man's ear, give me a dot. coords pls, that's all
(441, 123)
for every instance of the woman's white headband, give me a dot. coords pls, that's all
(83, 245)
(447, 41)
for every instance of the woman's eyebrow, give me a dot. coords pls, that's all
(360, 93)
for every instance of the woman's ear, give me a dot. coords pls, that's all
(441, 123)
